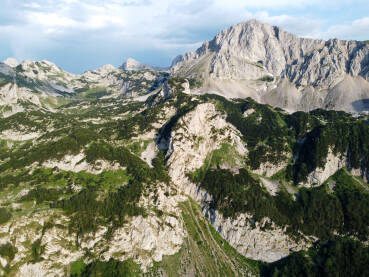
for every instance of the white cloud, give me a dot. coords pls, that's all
(355, 30)
(50, 20)
(33, 5)
(168, 22)
(308, 27)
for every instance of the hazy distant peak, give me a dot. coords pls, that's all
(11, 62)
(132, 64)
(107, 68)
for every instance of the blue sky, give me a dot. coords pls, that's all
(86, 34)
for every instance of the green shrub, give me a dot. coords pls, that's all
(77, 268)
(5, 215)
(37, 250)
(267, 78)
(338, 257)
(112, 268)
(8, 250)
(341, 137)
(314, 212)
(41, 195)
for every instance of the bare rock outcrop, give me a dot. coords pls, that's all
(187, 153)
(333, 163)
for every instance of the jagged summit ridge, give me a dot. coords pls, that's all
(252, 43)
(250, 51)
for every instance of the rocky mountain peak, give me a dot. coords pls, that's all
(255, 59)
(107, 68)
(260, 47)
(11, 62)
(132, 64)
(250, 29)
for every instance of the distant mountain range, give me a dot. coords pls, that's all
(251, 59)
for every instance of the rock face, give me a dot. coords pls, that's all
(334, 162)
(264, 62)
(144, 239)
(186, 155)
(254, 241)
(250, 50)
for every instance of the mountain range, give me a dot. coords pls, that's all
(247, 157)
(251, 59)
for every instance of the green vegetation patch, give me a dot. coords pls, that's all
(267, 78)
(341, 136)
(55, 102)
(265, 130)
(315, 211)
(37, 250)
(355, 204)
(226, 154)
(112, 268)
(5, 215)
(139, 146)
(8, 251)
(138, 123)
(339, 257)
(92, 93)
(41, 194)
(88, 212)
(77, 268)
(5, 79)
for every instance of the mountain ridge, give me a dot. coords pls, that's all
(254, 58)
